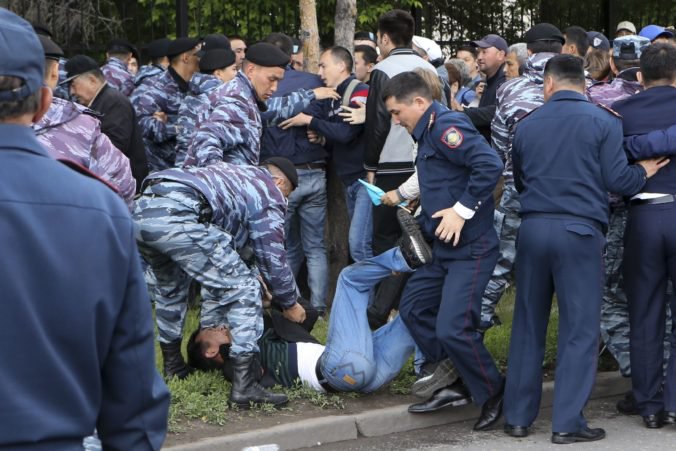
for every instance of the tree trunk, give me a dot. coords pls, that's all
(310, 32)
(346, 17)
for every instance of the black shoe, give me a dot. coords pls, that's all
(173, 363)
(653, 421)
(413, 246)
(669, 417)
(455, 395)
(516, 431)
(444, 375)
(245, 388)
(491, 411)
(627, 406)
(584, 435)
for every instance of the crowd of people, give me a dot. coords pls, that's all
(201, 177)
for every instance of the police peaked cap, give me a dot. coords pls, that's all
(213, 42)
(52, 51)
(181, 45)
(217, 59)
(544, 32)
(286, 166)
(267, 55)
(158, 48)
(120, 45)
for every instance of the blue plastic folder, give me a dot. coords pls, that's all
(376, 193)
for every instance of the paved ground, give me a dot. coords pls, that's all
(623, 433)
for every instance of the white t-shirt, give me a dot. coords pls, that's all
(308, 355)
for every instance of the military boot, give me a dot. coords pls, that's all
(174, 365)
(245, 389)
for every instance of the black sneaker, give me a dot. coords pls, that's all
(413, 246)
(443, 375)
(627, 405)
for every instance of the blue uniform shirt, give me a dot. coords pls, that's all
(455, 164)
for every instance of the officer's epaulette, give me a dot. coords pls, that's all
(84, 171)
(610, 110)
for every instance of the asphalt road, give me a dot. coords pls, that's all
(622, 433)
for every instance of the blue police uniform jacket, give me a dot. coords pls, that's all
(567, 155)
(247, 204)
(455, 163)
(75, 319)
(652, 109)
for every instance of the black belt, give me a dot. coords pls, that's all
(311, 166)
(654, 201)
(322, 380)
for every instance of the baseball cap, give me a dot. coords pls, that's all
(597, 40)
(429, 46)
(491, 40)
(213, 42)
(629, 47)
(626, 25)
(544, 32)
(21, 54)
(78, 65)
(653, 32)
(267, 55)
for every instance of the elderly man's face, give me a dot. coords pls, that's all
(84, 87)
(511, 66)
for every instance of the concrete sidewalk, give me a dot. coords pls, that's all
(374, 423)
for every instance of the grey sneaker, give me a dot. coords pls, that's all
(443, 376)
(413, 246)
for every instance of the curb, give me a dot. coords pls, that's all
(373, 423)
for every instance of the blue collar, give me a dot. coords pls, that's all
(21, 137)
(426, 120)
(568, 95)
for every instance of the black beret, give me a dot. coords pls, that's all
(213, 42)
(267, 55)
(217, 59)
(181, 45)
(158, 48)
(52, 51)
(78, 65)
(544, 32)
(286, 166)
(120, 45)
(42, 30)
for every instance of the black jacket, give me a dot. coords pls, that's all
(119, 123)
(482, 115)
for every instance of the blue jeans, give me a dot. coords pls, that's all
(304, 229)
(356, 359)
(359, 207)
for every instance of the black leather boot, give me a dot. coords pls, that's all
(245, 388)
(173, 363)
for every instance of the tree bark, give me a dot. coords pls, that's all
(310, 32)
(346, 18)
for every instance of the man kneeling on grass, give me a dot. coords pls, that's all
(354, 358)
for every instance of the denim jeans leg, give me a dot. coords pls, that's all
(294, 248)
(361, 224)
(348, 363)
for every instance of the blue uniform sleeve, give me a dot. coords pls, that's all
(284, 107)
(618, 176)
(148, 100)
(658, 143)
(516, 162)
(134, 399)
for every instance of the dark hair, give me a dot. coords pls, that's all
(365, 36)
(196, 357)
(566, 68)
(622, 64)
(544, 47)
(658, 62)
(597, 63)
(578, 36)
(120, 54)
(282, 41)
(10, 109)
(454, 75)
(406, 85)
(467, 48)
(399, 27)
(157, 60)
(368, 53)
(341, 54)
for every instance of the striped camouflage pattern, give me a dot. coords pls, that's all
(68, 131)
(246, 203)
(608, 93)
(230, 124)
(62, 90)
(147, 71)
(155, 94)
(196, 100)
(179, 246)
(118, 76)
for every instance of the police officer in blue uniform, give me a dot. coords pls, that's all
(75, 317)
(650, 242)
(457, 172)
(567, 155)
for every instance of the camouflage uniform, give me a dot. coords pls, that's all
(155, 94)
(118, 76)
(62, 90)
(201, 85)
(147, 71)
(515, 99)
(230, 124)
(207, 224)
(71, 131)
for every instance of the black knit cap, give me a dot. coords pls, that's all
(267, 55)
(52, 51)
(217, 59)
(286, 166)
(544, 32)
(158, 48)
(181, 45)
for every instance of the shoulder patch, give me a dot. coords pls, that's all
(609, 110)
(452, 137)
(77, 167)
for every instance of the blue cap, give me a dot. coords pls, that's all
(652, 32)
(629, 47)
(597, 40)
(21, 54)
